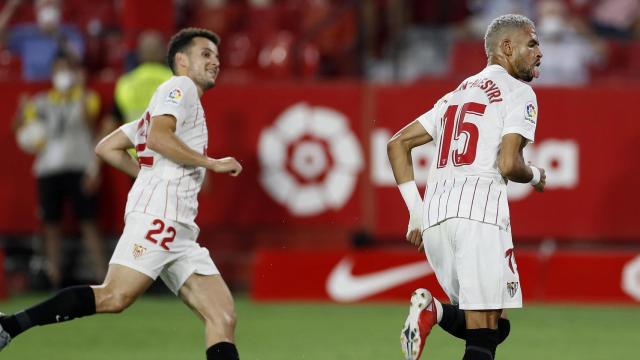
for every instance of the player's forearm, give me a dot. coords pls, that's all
(515, 169)
(400, 159)
(121, 160)
(170, 146)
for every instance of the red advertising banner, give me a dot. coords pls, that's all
(382, 275)
(315, 161)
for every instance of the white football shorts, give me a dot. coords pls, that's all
(156, 246)
(474, 263)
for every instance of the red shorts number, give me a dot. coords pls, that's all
(171, 232)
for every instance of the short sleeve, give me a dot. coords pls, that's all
(428, 122)
(175, 97)
(130, 130)
(522, 114)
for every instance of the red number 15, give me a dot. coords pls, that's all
(453, 127)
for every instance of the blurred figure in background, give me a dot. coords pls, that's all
(570, 49)
(37, 44)
(134, 89)
(616, 19)
(65, 165)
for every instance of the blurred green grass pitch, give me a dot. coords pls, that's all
(161, 327)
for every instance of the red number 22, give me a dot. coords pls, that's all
(160, 228)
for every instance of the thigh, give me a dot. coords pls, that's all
(440, 254)
(122, 283)
(208, 296)
(483, 255)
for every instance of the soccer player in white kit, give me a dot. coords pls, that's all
(159, 238)
(479, 130)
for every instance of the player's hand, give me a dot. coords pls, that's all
(414, 230)
(543, 181)
(226, 165)
(415, 237)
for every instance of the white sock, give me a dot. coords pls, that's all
(438, 310)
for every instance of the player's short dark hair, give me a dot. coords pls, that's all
(182, 40)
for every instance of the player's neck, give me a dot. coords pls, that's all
(501, 61)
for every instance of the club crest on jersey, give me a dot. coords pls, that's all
(174, 97)
(530, 112)
(512, 288)
(138, 250)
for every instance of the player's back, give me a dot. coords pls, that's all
(164, 188)
(467, 126)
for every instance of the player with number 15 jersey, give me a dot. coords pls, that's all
(479, 131)
(467, 125)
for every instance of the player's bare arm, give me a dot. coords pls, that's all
(399, 151)
(113, 150)
(512, 165)
(163, 140)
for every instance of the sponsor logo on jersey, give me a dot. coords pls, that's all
(512, 288)
(309, 159)
(138, 250)
(530, 112)
(174, 97)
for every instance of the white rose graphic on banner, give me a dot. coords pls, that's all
(309, 159)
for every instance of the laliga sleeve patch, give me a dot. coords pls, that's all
(530, 112)
(174, 97)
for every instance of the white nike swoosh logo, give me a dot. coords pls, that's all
(343, 286)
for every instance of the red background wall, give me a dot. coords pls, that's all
(600, 121)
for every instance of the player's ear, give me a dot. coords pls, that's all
(182, 60)
(506, 47)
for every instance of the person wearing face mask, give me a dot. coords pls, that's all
(65, 166)
(37, 44)
(570, 49)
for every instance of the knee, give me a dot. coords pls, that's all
(109, 301)
(225, 318)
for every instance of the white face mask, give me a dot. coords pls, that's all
(63, 80)
(551, 26)
(48, 17)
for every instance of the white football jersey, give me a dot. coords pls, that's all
(164, 188)
(467, 126)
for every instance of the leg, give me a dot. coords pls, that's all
(209, 297)
(482, 334)
(93, 243)
(453, 321)
(119, 290)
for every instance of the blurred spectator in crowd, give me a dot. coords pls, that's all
(616, 19)
(486, 10)
(569, 49)
(37, 44)
(65, 165)
(415, 35)
(134, 89)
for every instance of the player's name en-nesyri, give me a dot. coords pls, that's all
(489, 87)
